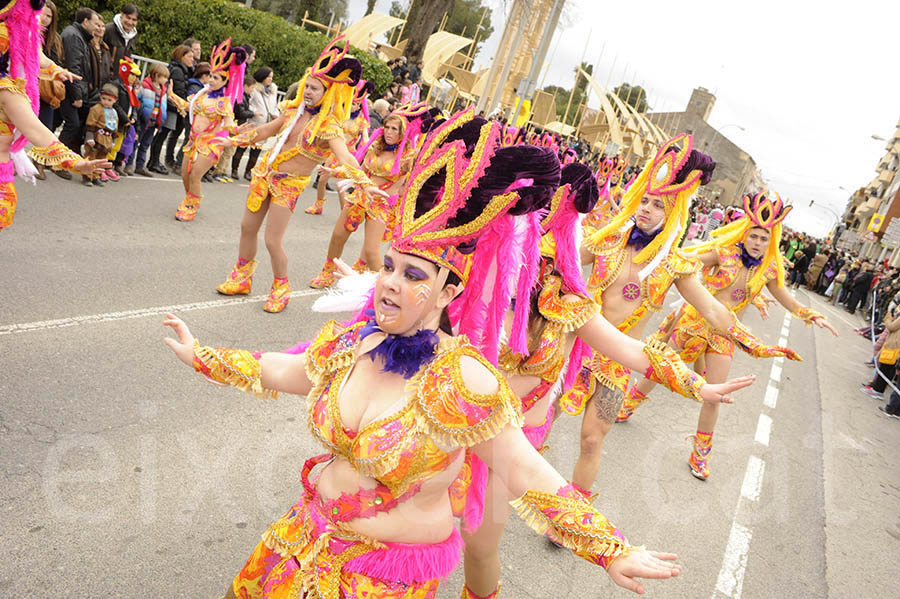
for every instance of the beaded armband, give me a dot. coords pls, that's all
(51, 71)
(569, 519)
(357, 175)
(180, 104)
(752, 345)
(236, 367)
(56, 154)
(759, 300)
(667, 369)
(806, 315)
(245, 139)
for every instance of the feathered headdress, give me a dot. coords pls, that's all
(361, 96)
(457, 210)
(674, 174)
(229, 62)
(760, 211)
(510, 136)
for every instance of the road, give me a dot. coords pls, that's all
(125, 475)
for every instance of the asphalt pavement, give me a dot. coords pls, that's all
(126, 475)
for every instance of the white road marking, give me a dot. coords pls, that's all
(731, 576)
(59, 323)
(782, 341)
(730, 581)
(753, 478)
(771, 397)
(763, 430)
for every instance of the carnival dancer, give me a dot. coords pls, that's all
(21, 62)
(562, 320)
(309, 133)
(400, 404)
(609, 173)
(635, 261)
(386, 159)
(742, 259)
(211, 115)
(356, 134)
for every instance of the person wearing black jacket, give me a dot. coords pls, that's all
(859, 287)
(81, 60)
(121, 34)
(179, 72)
(801, 265)
(242, 114)
(199, 78)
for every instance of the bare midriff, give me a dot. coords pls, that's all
(616, 307)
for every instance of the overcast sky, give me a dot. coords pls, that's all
(809, 82)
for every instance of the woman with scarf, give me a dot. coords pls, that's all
(386, 159)
(211, 119)
(402, 406)
(309, 132)
(562, 321)
(21, 61)
(741, 260)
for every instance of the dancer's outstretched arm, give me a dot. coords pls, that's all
(265, 374)
(797, 309)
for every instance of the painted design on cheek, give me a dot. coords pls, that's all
(421, 293)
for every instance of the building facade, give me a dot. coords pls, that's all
(736, 172)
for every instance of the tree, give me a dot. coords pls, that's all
(635, 95)
(420, 24)
(370, 7)
(320, 11)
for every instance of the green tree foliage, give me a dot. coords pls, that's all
(284, 47)
(578, 98)
(370, 6)
(635, 95)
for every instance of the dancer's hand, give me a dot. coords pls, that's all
(67, 76)
(718, 393)
(642, 564)
(822, 323)
(342, 269)
(184, 345)
(373, 190)
(91, 167)
(324, 171)
(244, 127)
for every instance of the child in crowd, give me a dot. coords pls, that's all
(100, 129)
(126, 109)
(152, 114)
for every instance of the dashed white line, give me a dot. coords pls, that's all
(59, 323)
(731, 576)
(776, 373)
(763, 430)
(752, 485)
(771, 397)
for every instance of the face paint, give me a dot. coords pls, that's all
(421, 293)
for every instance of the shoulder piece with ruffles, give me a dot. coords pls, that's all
(449, 411)
(681, 264)
(332, 349)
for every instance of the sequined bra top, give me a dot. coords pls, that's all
(550, 357)
(376, 168)
(214, 109)
(353, 129)
(407, 448)
(610, 255)
(722, 275)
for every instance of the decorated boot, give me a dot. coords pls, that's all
(279, 295)
(326, 277)
(467, 594)
(700, 455)
(633, 399)
(360, 266)
(317, 207)
(189, 207)
(238, 282)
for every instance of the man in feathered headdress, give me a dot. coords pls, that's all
(741, 259)
(635, 261)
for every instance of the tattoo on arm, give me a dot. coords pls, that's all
(607, 402)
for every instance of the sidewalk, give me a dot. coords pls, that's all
(861, 474)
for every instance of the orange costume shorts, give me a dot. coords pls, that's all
(693, 334)
(8, 196)
(282, 188)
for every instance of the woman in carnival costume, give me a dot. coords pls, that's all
(609, 174)
(356, 134)
(635, 261)
(562, 321)
(738, 263)
(401, 404)
(386, 159)
(309, 131)
(211, 115)
(21, 63)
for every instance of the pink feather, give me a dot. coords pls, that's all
(518, 339)
(536, 435)
(360, 154)
(473, 514)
